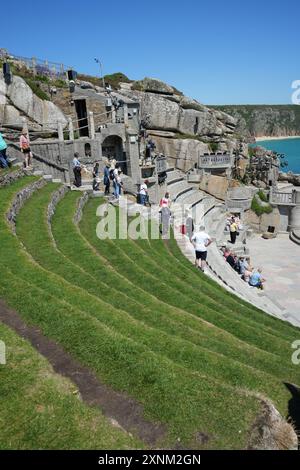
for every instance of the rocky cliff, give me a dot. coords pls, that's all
(264, 120)
(181, 127)
(17, 101)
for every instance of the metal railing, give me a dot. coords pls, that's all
(38, 66)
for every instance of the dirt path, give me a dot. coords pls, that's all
(116, 406)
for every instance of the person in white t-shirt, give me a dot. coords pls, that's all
(201, 240)
(144, 193)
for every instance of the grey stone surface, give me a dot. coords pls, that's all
(19, 96)
(20, 199)
(271, 431)
(279, 259)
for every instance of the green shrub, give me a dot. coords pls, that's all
(213, 146)
(36, 89)
(42, 78)
(262, 196)
(260, 209)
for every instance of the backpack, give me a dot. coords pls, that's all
(111, 174)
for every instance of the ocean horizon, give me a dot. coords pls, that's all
(289, 147)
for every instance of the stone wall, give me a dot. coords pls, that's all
(9, 178)
(20, 199)
(81, 203)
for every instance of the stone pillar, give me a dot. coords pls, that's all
(71, 129)
(91, 125)
(294, 222)
(113, 114)
(125, 114)
(60, 131)
(133, 167)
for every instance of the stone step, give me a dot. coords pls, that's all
(295, 237)
(48, 177)
(38, 173)
(56, 180)
(178, 188)
(98, 193)
(174, 176)
(191, 198)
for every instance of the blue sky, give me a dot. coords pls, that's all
(219, 52)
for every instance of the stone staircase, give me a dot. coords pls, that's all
(211, 213)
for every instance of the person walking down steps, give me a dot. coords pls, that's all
(77, 170)
(201, 240)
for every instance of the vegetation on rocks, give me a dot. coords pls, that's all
(260, 204)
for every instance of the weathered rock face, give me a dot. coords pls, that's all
(181, 153)
(164, 109)
(217, 186)
(17, 100)
(154, 85)
(261, 223)
(271, 431)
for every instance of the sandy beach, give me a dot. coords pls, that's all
(284, 137)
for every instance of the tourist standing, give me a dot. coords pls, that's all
(143, 193)
(201, 240)
(96, 170)
(165, 201)
(77, 170)
(106, 178)
(118, 184)
(114, 173)
(233, 230)
(3, 158)
(25, 148)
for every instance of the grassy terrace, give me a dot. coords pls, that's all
(40, 409)
(139, 315)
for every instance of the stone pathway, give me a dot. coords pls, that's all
(280, 260)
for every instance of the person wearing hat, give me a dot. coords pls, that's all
(106, 177)
(77, 169)
(25, 148)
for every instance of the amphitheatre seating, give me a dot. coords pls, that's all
(178, 188)
(144, 320)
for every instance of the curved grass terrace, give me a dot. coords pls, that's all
(145, 322)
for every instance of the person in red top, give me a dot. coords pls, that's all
(165, 201)
(25, 148)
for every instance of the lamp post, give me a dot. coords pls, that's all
(98, 61)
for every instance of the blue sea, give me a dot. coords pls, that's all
(291, 149)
